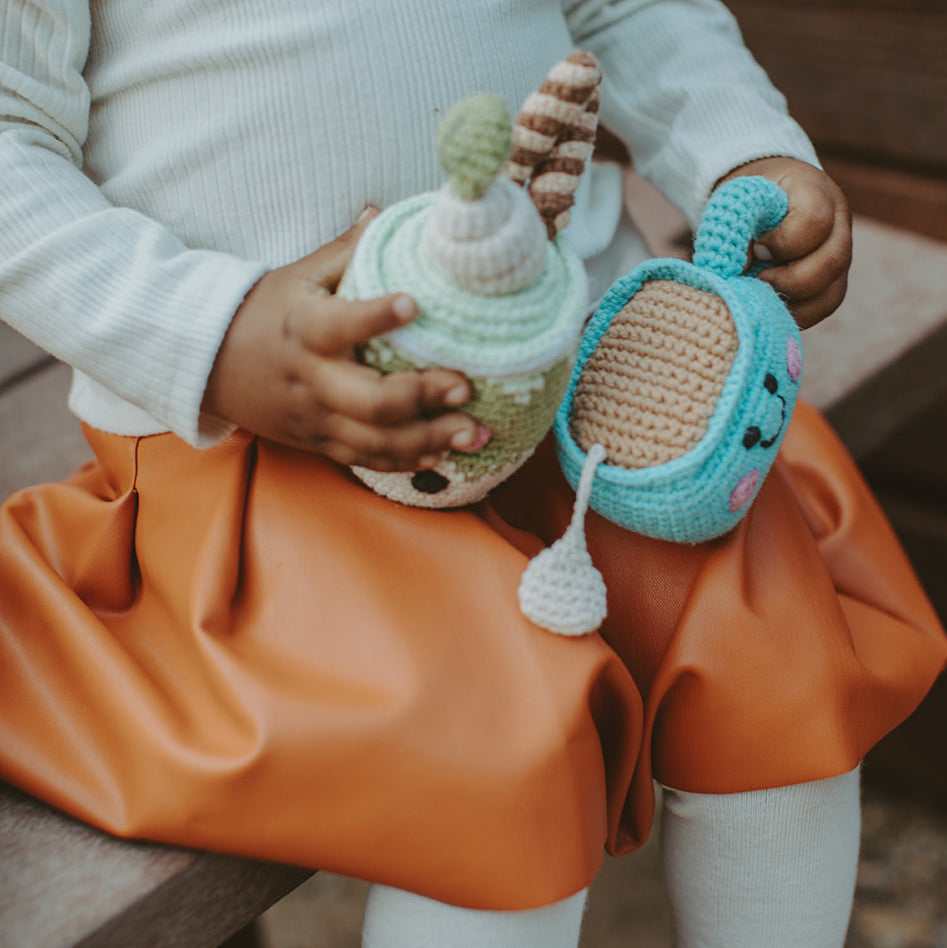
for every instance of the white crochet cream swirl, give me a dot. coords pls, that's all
(493, 246)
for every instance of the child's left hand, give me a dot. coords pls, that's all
(812, 248)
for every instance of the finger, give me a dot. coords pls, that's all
(808, 276)
(367, 395)
(329, 325)
(324, 267)
(808, 313)
(808, 224)
(408, 447)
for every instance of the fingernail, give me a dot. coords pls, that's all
(470, 441)
(762, 252)
(457, 395)
(404, 307)
(366, 212)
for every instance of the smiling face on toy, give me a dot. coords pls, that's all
(776, 419)
(767, 434)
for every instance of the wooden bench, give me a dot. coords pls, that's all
(63, 883)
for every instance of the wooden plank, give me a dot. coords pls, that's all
(212, 898)
(863, 6)
(40, 439)
(902, 390)
(18, 356)
(66, 885)
(864, 363)
(909, 476)
(866, 80)
(912, 201)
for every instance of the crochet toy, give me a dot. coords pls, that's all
(501, 297)
(684, 385)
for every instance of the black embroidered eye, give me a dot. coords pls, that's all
(770, 384)
(429, 482)
(752, 436)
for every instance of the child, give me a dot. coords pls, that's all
(212, 635)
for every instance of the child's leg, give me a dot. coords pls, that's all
(398, 919)
(773, 868)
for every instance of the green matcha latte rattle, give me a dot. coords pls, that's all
(501, 296)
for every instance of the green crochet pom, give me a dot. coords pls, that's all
(473, 142)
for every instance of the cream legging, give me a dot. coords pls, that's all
(764, 869)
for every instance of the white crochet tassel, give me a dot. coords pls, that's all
(560, 589)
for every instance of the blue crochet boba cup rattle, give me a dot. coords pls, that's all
(686, 378)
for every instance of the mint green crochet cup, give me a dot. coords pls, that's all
(498, 301)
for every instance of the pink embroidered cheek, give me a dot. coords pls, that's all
(744, 491)
(793, 359)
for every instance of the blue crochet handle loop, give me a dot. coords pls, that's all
(737, 213)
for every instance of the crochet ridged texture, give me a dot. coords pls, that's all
(498, 299)
(483, 232)
(685, 381)
(649, 388)
(554, 137)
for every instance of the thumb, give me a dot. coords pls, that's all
(326, 265)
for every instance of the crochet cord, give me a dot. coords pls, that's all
(561, 590)
(737, 213)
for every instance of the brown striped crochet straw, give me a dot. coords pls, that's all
(553, 137)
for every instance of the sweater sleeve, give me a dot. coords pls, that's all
(683, 93)
(103, 288)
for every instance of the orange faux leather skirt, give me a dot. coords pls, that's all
(245, 650)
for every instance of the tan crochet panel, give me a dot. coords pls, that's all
(650, 387)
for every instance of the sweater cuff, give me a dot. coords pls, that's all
(224, 282)
(784, 139)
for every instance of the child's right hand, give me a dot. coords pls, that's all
(287, 371)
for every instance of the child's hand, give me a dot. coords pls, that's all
(812, 248)
(286, 371)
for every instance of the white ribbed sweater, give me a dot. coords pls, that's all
(221, 139)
